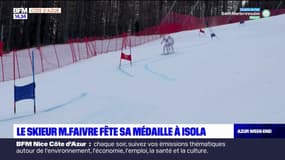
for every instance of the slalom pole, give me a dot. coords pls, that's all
(130, 50)
(33, 70)
(14, 76)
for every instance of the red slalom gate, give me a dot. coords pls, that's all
(126, 43)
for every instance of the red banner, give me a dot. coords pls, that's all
(202, 31)
(1, 48)
(127, 57)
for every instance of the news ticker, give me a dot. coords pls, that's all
(148, 131)
(160, 149)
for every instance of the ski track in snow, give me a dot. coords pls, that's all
(125, 72)
(164, 76)
(160, 58)
(158, 74)
(48, 109)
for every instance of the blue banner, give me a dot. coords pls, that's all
(259, 130)
(24, 92)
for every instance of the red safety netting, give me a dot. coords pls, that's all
(55, 56)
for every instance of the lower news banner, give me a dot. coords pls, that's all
(149, 141)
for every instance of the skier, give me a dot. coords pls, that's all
(171, 43)
(213, 35)
(165, 41)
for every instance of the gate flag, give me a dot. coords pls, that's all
(127, 57)
(1, 48)
(26, 91)
(126, 42)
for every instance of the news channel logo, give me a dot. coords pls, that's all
(20, 13)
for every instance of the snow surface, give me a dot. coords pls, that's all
(238, 77)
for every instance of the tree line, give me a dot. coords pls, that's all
(102, 18)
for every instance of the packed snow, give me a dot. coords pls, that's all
(237, 77)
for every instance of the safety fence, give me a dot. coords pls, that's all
(18, 63)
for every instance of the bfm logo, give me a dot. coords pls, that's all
(20, 13)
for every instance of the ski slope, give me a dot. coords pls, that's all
(238, 77)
